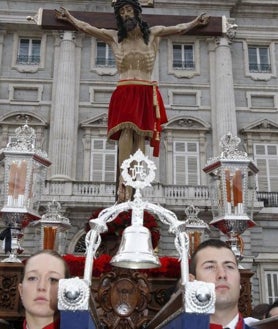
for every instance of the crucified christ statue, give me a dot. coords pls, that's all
(136, 109)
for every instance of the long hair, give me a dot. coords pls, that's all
(144, 27)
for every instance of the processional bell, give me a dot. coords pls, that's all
(136, 249)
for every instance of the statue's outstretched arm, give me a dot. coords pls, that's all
(162, 31)
(104, 34)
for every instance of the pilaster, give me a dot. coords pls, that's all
(64, 111)
(222, 92)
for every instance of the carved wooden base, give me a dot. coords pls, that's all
(127, 299)
(10, 304)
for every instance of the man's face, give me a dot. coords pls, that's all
(219, 266)
(128, 17)
(273, 312)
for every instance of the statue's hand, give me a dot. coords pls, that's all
(202, 19)
(62, 14)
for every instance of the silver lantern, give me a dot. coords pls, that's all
(24, 175)
(232, 191)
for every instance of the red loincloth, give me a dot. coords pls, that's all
(137, 104)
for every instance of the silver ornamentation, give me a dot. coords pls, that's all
(141, 174)
(199, 297)
(73, 294)
(138, 172)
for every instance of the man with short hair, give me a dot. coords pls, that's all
(272, 310)
(214, 262)
(136, 109)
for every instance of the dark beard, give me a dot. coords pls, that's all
(130, 24)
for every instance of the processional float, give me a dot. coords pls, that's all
(135, 251)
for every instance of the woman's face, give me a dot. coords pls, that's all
(39, 287)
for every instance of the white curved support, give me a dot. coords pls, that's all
(198, 296)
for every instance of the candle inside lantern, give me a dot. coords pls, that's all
(49, 237)
(22, 173)
(197, 239)
(22, 177)
(239, 185)
(237, 188)
(11, 185)
(235, 191)
(194, 241)
(228, 185)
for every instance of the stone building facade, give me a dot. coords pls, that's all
(61, 81)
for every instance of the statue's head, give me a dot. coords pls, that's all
(134, 3)
(122, 33)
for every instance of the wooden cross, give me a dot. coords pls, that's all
(47, 20)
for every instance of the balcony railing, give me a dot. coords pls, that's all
(104, 194)
(105, 62)
(167, 195)
(183, 65)
(270, 199)
(28, 60)
(259, 68)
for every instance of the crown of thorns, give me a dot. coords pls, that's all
(134, 3)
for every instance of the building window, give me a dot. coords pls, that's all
(186, 163)
(259, 59)
(105, 57)
(183, 57)
(29, 51)
(103, 161)
(266, 157)
(272, 286)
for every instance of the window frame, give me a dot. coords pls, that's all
(108, 56)
(184, 62)
(28, 68)
(102, 71)
(266, 262)
(183, 73)
(266, 157)
(258, 59)
(30, 55)
(186, 154)
(259, 76)
(104, 152)
(271, 297)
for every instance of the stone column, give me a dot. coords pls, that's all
(64, 111)
(222, 90)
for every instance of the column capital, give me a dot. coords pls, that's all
(229, 27)
(67, 35)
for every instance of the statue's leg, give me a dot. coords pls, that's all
(125, 145)
(125, 150)
(139, 143)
